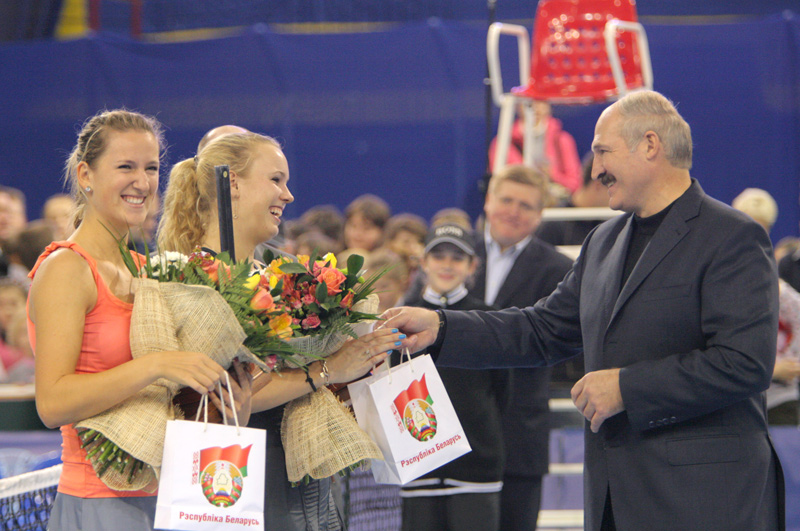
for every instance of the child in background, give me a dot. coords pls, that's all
(12, 300)
(21, 370)
(393, 284)
(365, 219)
(12, 303)
(405, 236)
(463, 494)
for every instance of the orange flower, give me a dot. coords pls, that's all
(347, 301)
(262, 300)
(333, 278)
(212, 270)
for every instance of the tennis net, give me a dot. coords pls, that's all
(26, 499)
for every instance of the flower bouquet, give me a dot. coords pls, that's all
(322, 306)
(197, 303)
(209, 304)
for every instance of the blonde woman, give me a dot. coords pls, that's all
(259, 175)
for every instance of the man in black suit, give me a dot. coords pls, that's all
(518, 269)
(675, 307)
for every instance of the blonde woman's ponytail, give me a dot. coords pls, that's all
(186, 210)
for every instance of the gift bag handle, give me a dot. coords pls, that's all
(405, 353)
(204, 406)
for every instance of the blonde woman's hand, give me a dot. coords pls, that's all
(241, 386)
(358, 356)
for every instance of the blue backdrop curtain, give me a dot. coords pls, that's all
(397, 112)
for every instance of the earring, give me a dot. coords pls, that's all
(87, 189)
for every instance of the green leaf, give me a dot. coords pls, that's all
(278, 289)
(293, 267)
(321, 293)
(268, 256)
(354, 264)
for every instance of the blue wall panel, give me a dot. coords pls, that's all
(398, 112)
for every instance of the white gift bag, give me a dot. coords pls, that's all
(212, 476)
(407, 412)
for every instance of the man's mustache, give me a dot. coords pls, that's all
(606, 179)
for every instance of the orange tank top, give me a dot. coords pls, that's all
(106, 344)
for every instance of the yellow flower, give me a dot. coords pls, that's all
(330, 257)
(274, 267)
(273, 281)
(303, 259)
(281, 326)
(252, 282)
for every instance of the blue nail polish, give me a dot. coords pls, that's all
(397, 343)
(402, 336)
(394, 330)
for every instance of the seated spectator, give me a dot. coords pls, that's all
(314, 240)
(783, 395)
(20, 369)
(759, 205)
(58, 211)
(451, 215)
(12, 220)
(786, 245)
(31, 242)
(23, 251)
(554, 150)
(365, 219)
(12, 302)
(393, 284)
(592, 193)
(326, 219)
(341, 258)
(405, 235)
(12, 213)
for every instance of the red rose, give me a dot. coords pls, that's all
(312, 321)
(308, 298)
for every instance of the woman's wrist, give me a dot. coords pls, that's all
(310, 377)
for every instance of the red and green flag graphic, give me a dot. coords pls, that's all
(236, 455)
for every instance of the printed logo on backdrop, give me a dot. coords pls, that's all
(415, 406)
(221, 473)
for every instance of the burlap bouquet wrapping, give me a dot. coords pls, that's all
(166, 316)
(320, 435)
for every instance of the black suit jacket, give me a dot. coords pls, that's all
(535, 274)
(694, 330)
